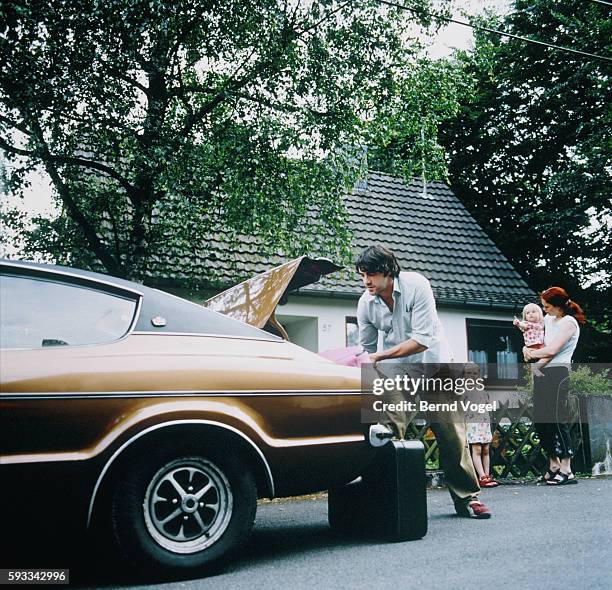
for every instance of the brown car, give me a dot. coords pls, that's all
(130, 412)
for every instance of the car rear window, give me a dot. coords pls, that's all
(36, 313)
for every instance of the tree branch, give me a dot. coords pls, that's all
(77, 215)
(57, 159)
(17, 151)
(283, 108)
(231, 86)
(121, 76)
(115, 232)
(19, 126)
(323, 19)
(187, 29)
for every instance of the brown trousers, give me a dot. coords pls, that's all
(450, 431)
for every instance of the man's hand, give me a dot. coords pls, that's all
(374, 359)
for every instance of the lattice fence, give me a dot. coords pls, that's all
(515, 449)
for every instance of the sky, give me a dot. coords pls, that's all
(456, 36)
(37, 198)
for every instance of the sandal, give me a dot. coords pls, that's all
(486, 481)
(551, 474)
(562, 479)
(492, 482)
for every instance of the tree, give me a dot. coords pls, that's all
(160, 122)
(530, 150)
(404, 134)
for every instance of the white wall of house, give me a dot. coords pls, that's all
(318, 323)
(328, 313)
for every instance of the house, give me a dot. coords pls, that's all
(476, 288)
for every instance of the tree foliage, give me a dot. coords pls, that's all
(160, 122)
(530, 149)
(404, 135)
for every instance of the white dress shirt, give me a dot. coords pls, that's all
(414, 317)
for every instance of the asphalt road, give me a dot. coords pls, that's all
(538, 538)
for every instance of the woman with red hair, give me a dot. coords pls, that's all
(551, 390)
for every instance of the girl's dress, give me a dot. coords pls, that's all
(478, 424)
(479, 432)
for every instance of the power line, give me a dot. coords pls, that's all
(502, 33)
(602, 2)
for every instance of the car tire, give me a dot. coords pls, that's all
(182, 513)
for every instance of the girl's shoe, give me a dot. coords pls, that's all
(486, 481)
(492, 482)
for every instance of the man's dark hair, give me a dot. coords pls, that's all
(378, 259)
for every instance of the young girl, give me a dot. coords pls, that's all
(479, 434)
(532, 327)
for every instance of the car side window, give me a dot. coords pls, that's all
(36, 313)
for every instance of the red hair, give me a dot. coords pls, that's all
(559, 297)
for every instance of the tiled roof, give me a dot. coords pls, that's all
(432, 234)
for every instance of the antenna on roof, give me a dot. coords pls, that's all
(362, 178)
(423, 174)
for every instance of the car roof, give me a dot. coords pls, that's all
(178, 315)
(72, 271)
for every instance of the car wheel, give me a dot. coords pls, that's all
(184, 513)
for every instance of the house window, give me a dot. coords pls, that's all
(351, 331)
(496, 347)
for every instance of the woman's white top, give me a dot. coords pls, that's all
(552, 327)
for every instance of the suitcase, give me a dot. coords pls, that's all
(390, 500)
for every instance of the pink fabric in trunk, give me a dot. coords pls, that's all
(352, 356)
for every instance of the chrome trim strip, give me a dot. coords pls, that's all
(152, 394)
(276, 340)
(173, 423)
(276, 443)
(135, 318)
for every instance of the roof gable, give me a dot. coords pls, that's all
(434, 235)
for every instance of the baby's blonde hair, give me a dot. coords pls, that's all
(536, 308)
(471, 366)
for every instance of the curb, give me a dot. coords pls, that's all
(436, 480)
